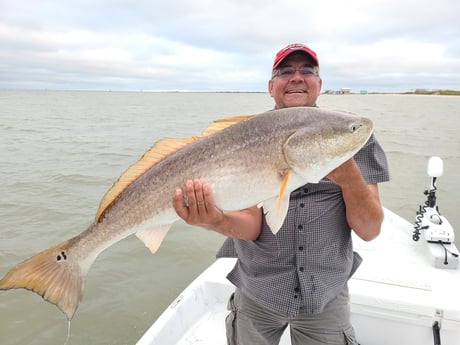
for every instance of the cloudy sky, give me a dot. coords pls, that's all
(226, 45)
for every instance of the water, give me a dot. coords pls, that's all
(61, 151)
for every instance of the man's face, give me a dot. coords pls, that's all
(297, 89)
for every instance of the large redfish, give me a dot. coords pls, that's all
(247, 161)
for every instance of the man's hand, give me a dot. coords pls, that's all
(200, 209)
(197, 207)
(342, 174)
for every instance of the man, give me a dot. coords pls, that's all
(299, 276)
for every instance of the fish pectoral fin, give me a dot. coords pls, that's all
(152, 237)
(275, 210)
(286, 177)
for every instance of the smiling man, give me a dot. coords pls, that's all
(295, 78)
(297, 278)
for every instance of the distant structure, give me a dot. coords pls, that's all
(342, 91)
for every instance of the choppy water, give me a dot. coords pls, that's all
(61, 151)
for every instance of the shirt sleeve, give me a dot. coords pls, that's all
(227, 250)
(372, 161)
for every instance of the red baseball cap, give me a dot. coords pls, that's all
(292, 48)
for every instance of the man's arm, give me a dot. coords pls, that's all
(362, 200)
(202, 211)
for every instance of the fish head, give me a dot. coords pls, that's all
(323, 141)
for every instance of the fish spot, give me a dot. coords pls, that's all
(61, 256)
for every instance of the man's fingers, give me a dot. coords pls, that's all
(200, 208)
(179, 205)
(199, 196)
(208, 197)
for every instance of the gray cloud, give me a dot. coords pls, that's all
(227, 45)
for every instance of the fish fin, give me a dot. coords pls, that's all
(275, 209)
(284, 184)
(221, 124)
(152, 238)
(275, 212)
(158, 152)
(54, 274)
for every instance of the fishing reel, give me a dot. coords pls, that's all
(437, 230)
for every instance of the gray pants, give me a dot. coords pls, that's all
(248, 323)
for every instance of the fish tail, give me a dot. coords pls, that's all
(54, 274)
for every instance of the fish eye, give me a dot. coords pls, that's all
(353, 127)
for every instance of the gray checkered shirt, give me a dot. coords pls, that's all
(310, 260)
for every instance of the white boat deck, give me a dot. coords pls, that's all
(396, 296)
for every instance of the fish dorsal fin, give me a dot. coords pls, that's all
(220, 124)
(158, 152)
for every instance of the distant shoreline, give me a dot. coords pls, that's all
(326, 92)
(434, 92)
(430, 92)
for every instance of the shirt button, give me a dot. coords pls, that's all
(301, 269)
(302, 205)
(300, 227)
(297, 289)
(300, 248)
(305, 190)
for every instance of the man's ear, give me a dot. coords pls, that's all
(270, 87)
(320, 86)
